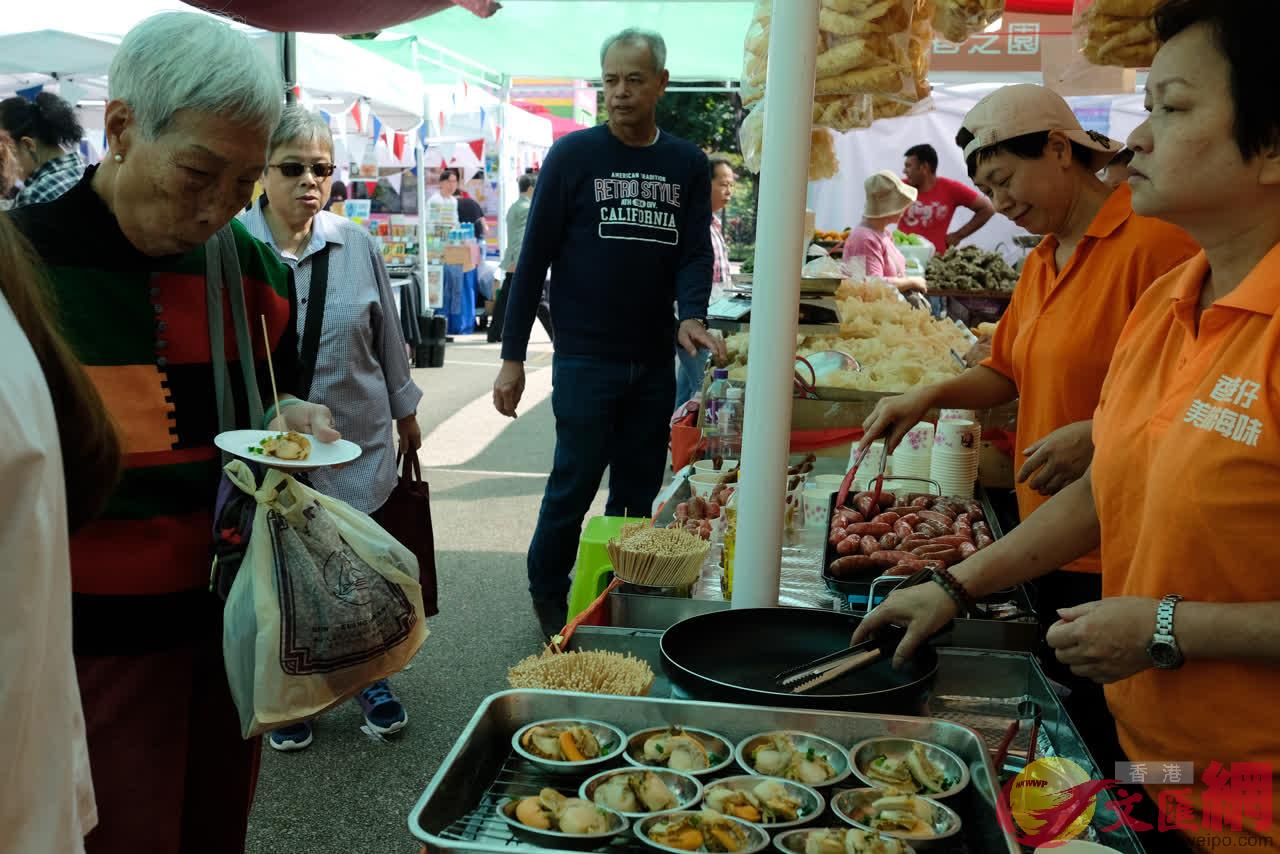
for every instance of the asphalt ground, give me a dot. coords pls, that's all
(347, 793)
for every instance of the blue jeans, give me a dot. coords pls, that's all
(689, 373)
(613, 415)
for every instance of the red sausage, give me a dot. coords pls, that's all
(932, 529)
(947, 556)
(837, 534)
(875, 529)
(982, 540)
(887, 517)
(889, 541)
(930, 549)
(891, 557)
(912, 518)
(914, 541)
(954, 540)
(934, 516)
(868, 545)
(887, 500)
(967, 549)
(865, 505)
(901, 509)
(849, 517)
(852, 565)
(847, 546)
(907, 567)
(902, 529)
(922, 502)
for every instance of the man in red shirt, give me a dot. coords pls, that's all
(930, 214)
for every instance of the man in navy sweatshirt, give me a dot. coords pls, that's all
(622, 216)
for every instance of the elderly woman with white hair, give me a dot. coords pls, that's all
(356, 359)
(191, 108)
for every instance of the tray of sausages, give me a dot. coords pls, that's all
(900, 534)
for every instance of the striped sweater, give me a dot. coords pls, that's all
(140, 572)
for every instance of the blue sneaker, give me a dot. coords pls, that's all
(382, 709)
(293, 737)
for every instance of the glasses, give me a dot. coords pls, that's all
(295, 170)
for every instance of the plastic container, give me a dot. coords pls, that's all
(730, 417)
(716, 395)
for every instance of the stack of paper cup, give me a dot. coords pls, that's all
(870, 468)
(956, 448)
(911, 457)
(958, 415)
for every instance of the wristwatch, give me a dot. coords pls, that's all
(1163, 647)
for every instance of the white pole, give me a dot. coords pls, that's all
(775, 303)
(504, 172)
(420, 158)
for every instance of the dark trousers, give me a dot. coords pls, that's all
(500, 312)
(613, 415)
(171, 773)
(1087, 705)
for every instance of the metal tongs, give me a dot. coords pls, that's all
(847, 484)
(828, 668)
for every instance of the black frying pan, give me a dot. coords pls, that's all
(733, 656)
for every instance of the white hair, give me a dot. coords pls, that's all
(187, 61)
(636, 36)
(298, 124)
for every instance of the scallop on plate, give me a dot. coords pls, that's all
(553, 820)
(639, 792)
(838, 840)
(770, 802)
(690, 751)
(275, 449)
(705, 831)
(923, 822)
(568, 746)
(793, 755)
(905, 766)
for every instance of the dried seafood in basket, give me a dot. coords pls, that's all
(584, 671)
(1119, 32)
(657, 557)
(956, 20)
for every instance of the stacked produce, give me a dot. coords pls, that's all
(970, 269)
(1120, 32)
(904, 238)
(886, 537)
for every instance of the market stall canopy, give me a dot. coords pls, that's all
(283, 15)
(560, 126)
(534, 38)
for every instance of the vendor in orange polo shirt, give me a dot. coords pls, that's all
(1182, 492)
(1026, 150)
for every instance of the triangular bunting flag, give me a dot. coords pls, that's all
(328, 119)
(371, 187)
(422, 134)
(394, 181)
(355, 114)
(440, 116)
(29, 94)
(482, 118)
(397, 145)
(377, 128)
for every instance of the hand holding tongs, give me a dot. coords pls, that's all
(828, 668)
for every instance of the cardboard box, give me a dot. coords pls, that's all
(460, 256)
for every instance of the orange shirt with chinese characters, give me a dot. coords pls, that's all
(1055, 341)
(1186, 478)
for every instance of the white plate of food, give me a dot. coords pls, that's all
(288, 450)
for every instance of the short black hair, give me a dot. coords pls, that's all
(526, 181)
(716, 162)
(925, 153)
(47, 118)
(1244, 31)
(445, 173)
(1029, 146)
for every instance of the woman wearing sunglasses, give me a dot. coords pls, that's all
(358, 363)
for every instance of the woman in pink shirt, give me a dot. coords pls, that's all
(872, 242)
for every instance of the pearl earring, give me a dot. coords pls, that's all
(119, 158)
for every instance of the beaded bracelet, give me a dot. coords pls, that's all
(955, 590)
(271, 413)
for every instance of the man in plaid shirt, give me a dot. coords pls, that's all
(691, 368)
(45, 132)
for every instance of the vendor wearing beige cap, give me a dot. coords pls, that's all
(872, 242)
(1027, 152)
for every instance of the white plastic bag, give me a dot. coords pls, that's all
(325, 604)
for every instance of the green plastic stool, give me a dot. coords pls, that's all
(590, 574)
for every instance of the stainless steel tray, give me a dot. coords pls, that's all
(456, 812)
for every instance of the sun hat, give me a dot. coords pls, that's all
(887, 195)
(1026, 108)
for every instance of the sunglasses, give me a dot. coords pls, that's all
(295, 170)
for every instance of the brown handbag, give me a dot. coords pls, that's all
(407, 517)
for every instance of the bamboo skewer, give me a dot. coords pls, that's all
(271, 371)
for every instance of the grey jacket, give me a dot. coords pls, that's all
(517, 219)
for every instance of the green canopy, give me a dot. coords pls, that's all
(535, 38)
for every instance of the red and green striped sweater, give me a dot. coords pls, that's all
(140, 572)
